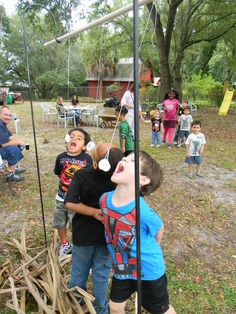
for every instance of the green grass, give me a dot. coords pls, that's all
(199, 229)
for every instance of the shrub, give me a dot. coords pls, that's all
(199, 86)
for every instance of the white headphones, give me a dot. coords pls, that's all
(90, 146)
(104, 164)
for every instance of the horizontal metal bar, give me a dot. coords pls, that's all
(99, 21)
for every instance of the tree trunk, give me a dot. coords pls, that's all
(177, 79)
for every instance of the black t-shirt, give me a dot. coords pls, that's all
(156, 124)
(87, 187)
(66, 166)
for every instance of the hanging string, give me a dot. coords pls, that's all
(117, 120)
(141, 41)
(68, 70)
(155, 24)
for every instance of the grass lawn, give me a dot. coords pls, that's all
(199, 214)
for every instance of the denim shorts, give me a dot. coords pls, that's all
(61, 216)
(12, 154)
(183, 134)
(194, 160)
(155, 297)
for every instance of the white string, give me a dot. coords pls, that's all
(141, 42)
(144, 32)
(68, 71)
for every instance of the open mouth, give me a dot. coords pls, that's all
(72, 144)
(120, 168)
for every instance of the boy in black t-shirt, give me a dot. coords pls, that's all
(89, 245)
(67, 163)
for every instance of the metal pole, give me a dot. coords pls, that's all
(136, 141)
(32, 110)
(99, 21)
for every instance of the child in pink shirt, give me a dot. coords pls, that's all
(170, 106)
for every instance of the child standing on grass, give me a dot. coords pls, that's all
(180, 112)
(125, 132)
(171, 106)
(119, 212)
(89, 244)
(67, 163)
(185, 121)
(156, 129)
(195, 145)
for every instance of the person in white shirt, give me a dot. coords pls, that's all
(195, 145)
(185, 121)
(128, 101)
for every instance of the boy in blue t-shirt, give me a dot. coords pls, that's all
(119, 212)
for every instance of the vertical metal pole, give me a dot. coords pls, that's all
(136, 140)
(26, 48)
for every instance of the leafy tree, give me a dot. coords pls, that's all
(186, 23)
(48, 66)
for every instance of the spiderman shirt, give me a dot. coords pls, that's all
(120, 233)
(65, 168)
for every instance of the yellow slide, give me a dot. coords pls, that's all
(226, 103)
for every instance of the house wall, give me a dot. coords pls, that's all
(93, 89)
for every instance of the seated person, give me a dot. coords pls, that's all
(64, 112)
(10, 147)
(75, 101)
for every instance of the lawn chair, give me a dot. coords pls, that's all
(49, 111)
(65, 116)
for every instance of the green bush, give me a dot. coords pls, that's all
(149, 94)
(200, 86)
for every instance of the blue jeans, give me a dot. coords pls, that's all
(97, 258)
(156, 138)
(12, 154)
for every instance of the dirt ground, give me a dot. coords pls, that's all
(199, 214)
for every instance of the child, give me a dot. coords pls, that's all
(119, 212)
(185, 121)
(67, 163)
(89, 245)
(156, 129)
(195, 146)
(171, 106)
(180, 112)
(125, 132)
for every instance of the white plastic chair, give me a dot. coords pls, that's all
(49, 111)
(65, 117)
(16, 123)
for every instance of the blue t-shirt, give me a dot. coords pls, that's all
(120, 233)
(4, 133)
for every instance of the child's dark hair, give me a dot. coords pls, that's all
(150, 168)
(122, 110)
(197, 122)
(188, 108)
(87, 137)
(172, 90)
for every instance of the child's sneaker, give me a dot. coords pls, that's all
(199, 175)
(65, 249)
(158, 145)
(152, 145)
(190, 175)
(179, 145)
(169, 146)
(163, 142)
